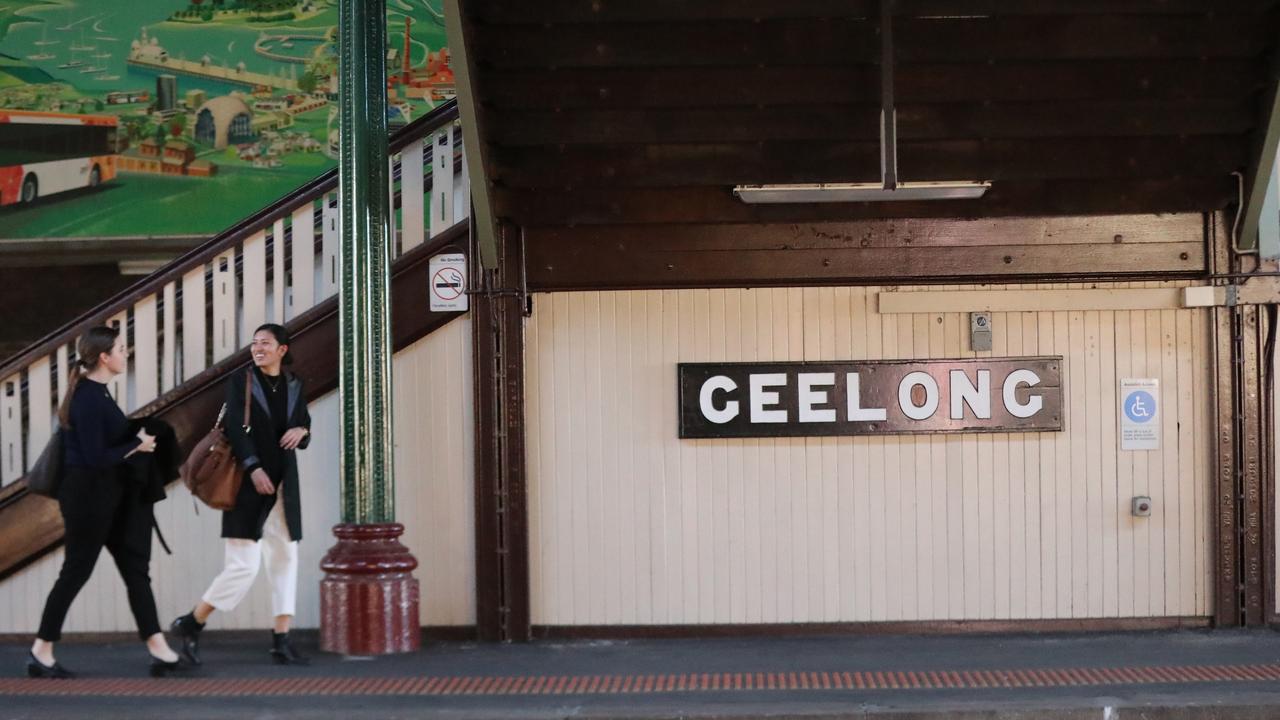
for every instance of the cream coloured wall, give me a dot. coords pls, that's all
(630, 525)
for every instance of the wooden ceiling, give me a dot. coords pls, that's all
(608, 112)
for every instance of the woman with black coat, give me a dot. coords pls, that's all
(106, 497)
(264, 527)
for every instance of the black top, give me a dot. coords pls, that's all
(250, 446)
(276, 390)
(99, 436)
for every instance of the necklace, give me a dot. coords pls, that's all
(273, 385)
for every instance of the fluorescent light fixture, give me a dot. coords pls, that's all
(859, 192)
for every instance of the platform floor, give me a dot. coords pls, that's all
(1183, 674)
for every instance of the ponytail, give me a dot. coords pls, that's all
(89, 347)
(73, 379)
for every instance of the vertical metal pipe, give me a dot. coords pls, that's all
(364, 384)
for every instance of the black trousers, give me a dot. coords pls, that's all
(100, 509)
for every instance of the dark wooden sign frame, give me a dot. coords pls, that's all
(889, 393)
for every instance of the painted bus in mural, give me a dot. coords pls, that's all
(43, 153)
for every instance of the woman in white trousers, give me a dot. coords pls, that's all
(264, 527)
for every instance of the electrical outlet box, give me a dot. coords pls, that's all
(980, 331)
(1141, 506)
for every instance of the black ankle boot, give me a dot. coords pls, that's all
(37, 669)
(188, 629)
(283, 652)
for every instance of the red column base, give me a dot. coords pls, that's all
(369, 597)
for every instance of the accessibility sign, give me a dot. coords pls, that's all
(1139, 414)
(448, 282)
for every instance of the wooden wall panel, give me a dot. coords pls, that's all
(630, 525)
(433, 499)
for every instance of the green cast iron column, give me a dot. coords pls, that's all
(364, 326)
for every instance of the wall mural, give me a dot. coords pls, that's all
(174, 117)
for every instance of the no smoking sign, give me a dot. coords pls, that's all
(448, 290)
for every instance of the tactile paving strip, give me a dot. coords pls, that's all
(492, 685)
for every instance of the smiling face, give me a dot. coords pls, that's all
(117, 361)
(268, 353)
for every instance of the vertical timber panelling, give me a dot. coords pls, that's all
(40, 408)
(413, 207)
(434, 500)
(146, 352)
(194, 328)
(279, 286)
(303, 273)
(12, 466)
(435, 470)
(925, 527)
(169, 325)
(330, 238)
(224, 306)
(253, 310)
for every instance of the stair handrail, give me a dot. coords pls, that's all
(263, 218)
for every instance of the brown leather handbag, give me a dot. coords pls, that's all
(211, 471)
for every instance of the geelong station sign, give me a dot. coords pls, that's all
(791, 399)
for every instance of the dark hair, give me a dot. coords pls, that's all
(89, 347)
(282, 337)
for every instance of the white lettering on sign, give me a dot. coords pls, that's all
(857, 413)
(707, 402)
(796, 399)
(809, 397)
(760, 397)
(1011, 383)
(909, 383)
(963, 392)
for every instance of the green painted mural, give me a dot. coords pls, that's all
(180, 117)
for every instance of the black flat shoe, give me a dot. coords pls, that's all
(37, 669)
(283, 652)
(163, 668)
(188, 629)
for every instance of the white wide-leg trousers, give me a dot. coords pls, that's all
(243, 557)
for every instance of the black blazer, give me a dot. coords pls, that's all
(250, 513)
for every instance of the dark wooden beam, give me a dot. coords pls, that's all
(890, 252)
(1102, 118)
(1226, 560)
(607, 11)
(474, 134)
(751, 85)
(1269, 516)
(785, 162)
(502, 525)
(845, 41)
(1251, 445)
(716, 204)
(1224, 483)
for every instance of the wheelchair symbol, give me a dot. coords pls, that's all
(1140, 406)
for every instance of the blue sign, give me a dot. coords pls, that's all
(1140, 406)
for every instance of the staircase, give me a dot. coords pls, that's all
(188, 325)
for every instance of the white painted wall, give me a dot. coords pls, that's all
(434, 480)
(630, 525)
